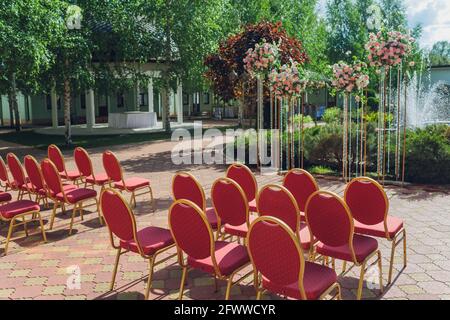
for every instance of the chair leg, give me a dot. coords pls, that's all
(183, 278)
(405, 260)
(55, 206)
(216, 284)
(10, 230)
(150, 276)
(44, 236)
(361, 281)
(391, 263)
(25, 227)
(75, 208)
(229, 284)
(380, 271)
(344, 266)
(116, 265)
(98, 211)
(152, 200)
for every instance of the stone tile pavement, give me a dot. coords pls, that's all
(33, 270)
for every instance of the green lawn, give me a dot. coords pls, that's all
(41, 141)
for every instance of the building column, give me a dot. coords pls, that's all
(190, 103)
(164, 101)
(180, 103)
(54, 102)
(137, 96)
(90, 109)
(151, 107)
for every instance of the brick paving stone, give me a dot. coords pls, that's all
(33, 270)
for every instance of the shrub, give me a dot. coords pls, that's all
(332, 115)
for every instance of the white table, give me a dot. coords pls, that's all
(132, 120)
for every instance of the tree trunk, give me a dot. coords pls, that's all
(11, 112)
(14, 107)
(68, 131)
(168, 58)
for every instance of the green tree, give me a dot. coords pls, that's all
(26, 29)
(394, 14)
(440, 53)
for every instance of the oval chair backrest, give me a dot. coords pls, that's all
(230, 202)
(118, 215)
(367, 200)
(51, 176)
(186, 186)
(329, 219)
(274, 251)
(276, 201)
(3, 171)
(190, 229)
(34, 172)
(301, 184)
(16, 169)
(55, 155)
(83, 161)
(245, 178)
(112, 166)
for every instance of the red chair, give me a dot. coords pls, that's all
(15, 213)
(20, 182)
(301, 184)
(331, 223)
(277, 256)
(370, 206)
(186, 186)
(66, 194)
(56, 156)
(231, 206)
(4, 177)
(37, 183)
(194, 237)
(115, 174)
(84, 165)
(276, 201)
(5, 197)
(246, 179)
(148, 242)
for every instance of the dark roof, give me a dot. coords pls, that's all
(446, 66)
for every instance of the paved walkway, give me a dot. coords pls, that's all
(33, 270)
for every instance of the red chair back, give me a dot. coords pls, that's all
(118, 215)
(301, 184)
(230, 202)
(190, 229)
(3, 171)
(112, 166)
(367, 200)
(34, 172)
(277, 201)
(16, 169)
(274, 251)
(83, 161)
(186, 186)
(56, 156)
(245, 178)
(51, 176)
(329, 219)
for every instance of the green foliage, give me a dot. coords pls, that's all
(440, 53)
(428, 155)
(306, 119)
(332, 115)
(321, 170)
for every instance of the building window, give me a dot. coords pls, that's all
(143, 98)
(83, 101)
(59, 103)
(206, 98)
(48, 101)
(185, 99)
(120, 100)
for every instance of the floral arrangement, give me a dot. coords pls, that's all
(261, 59)
(287, 81)
(350, 78)
(389, 48)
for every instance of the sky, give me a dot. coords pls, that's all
(433, 15)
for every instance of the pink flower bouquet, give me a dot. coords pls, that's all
(263, 58)
(349, 78)
(388, 48)
(287, 81)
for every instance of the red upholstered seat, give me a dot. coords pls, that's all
(305, 236)
(252, 206)
(100, 178)
(316, 280)
(229, 257)
(241, 230)
(362, 245)
(212, 217)
(71, 175)
(5, 196)
(151, 240)
(75, 195)
(15, 208)
(393, 225)
(66, 188)
(132, 183)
